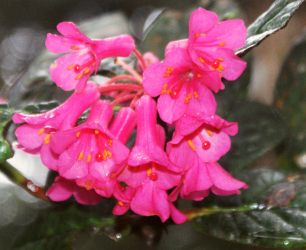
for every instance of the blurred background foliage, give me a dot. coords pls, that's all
(269, 153)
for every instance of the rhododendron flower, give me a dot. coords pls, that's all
(149, 171)
(35, 135)
(197, 154)
(180, 84)
(90, 152)
(63, 189)
(83, 55)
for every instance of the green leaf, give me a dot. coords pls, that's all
(279, 219)
(290, 99)
(6, 151)
(56, 228)
(261, 128)
(274, 19)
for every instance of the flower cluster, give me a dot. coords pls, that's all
(119, 149)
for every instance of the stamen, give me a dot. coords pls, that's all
(89, 158)
(47, 138)
(78, 134)
(41, 131)
(209, 132)
(222, 44)
(81, 156)
(88, 185)
(121, 203)
(191, 145)
(70, 67)
(168, 71)
(206, 145)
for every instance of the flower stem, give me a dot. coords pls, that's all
(16, 177)
(129, 69)
(141, 61)
(123, 99)
(123, 77)
(119, 87)
(196, 213)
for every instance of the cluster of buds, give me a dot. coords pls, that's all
(92, 158)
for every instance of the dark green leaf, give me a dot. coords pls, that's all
(260, 129)
(55, 229)
(274, 19)
(290, 99)
(5, 117)
(279, 219)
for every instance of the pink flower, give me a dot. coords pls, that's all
(35, 135)
(91, 153)
(63, 189)
(212, 46)
(149, 171)
(124, 195)
(196, 151)
(179, 82)
(83, 55)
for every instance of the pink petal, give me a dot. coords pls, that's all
(169, 109)
(86, 197)
(223, 182)
(60, 44)
(70, 30)
(114, 46)
(197, 182)
(153, 79)
(28, 136)
(123, 124)
(48, 157)
(201, 21)
(233, 65)
(60, 190)
(176, 44)
(177, 216)
(149, 201)
(219, 145)
(68, 164)
(120, 209)
(230, 32)
(62, 70)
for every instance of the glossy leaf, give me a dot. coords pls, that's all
(261, 128)
(278, 219)
(290, 100)
(5, 117)
(274, 19)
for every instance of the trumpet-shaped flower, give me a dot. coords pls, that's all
(83, 55)
(149, 172)
(91, 153)
(181, 86)
(35, 135)
(196, 151)
(212, 44)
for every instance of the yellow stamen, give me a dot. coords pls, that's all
(196, 94)
(120, 203)
(187, 98)
(96, 132)
(149, 172)
(47, 138)
(191, 145)
(70, 67)
(75, 47)
(222, 44)
(86, 71)
(89, 157)
(110, 142)
(168, 71)
(209, 132)
(201, 59)
(79, 76)
(41, 131)
(78, 134)
(88, 185)
(81, 156)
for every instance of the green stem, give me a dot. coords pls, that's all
(16, 177)
(195, 213)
